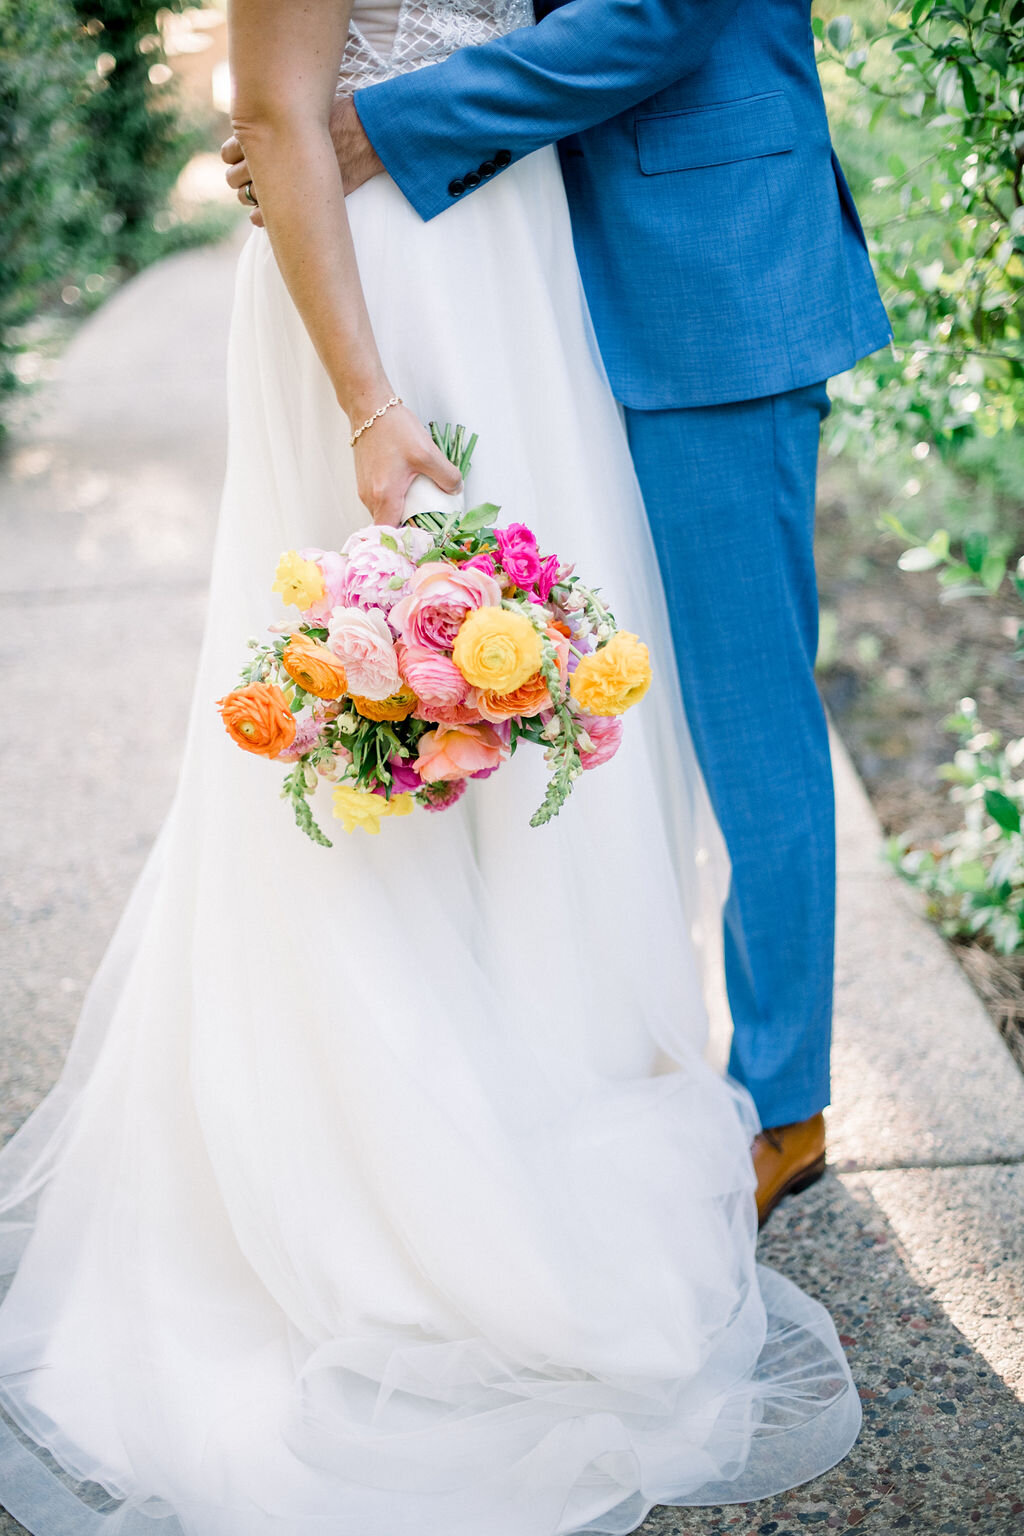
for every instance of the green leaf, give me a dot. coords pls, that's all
(839, 32)
(972, 100)
(971, 876)
(389, 542)
(993, 569)
(478, 518)
(431, 554)
(975, 550)
(1002, 810)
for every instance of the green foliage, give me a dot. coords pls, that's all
(945, 217)
(137, 143)
(91, 144)
(49, 207)
(978, 566)
(974, 879)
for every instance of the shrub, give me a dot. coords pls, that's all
(946, 219)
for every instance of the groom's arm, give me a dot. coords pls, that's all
(436, 129)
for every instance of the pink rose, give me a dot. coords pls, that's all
(547, 577)
(431, 676)
(332, 568)
(439, 597)
(517, 552)
(457, 751)
(481, 562)
(362, 641)
(605, 731)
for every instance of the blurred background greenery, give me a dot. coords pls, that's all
(111, 112)
(108, 115)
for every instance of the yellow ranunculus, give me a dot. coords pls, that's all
(299, 581)
(361, 808)
(608, 681)
(496, 649)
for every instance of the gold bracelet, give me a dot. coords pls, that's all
(357, 434)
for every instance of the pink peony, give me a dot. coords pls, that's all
(413, 542)
(332, 567)
(517, 551)
(432, 677)
(370, 573)
(605, 731)
(439, 597)
(363, 642)
(457, 751)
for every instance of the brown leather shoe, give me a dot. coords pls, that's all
(787, 1159)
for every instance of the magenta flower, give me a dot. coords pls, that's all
(546, 579)
(518, 554)
(605, 731)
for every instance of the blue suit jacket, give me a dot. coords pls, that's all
(721, 252)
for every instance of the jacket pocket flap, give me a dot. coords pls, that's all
(715, 135)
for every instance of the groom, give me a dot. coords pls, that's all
(727, 276)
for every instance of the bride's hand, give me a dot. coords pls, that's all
(389, 455)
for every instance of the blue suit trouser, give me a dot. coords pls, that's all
(730, 493)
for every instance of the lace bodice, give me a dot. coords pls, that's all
(390, 37)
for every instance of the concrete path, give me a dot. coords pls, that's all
(915, 1239)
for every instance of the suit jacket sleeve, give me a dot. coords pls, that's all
(584, 63)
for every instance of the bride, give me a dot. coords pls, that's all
(386, 1187)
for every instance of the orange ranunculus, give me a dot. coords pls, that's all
(397, 706)
(314, 667)
(257, 717)
(528, 699)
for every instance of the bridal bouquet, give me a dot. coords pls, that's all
(423, 656)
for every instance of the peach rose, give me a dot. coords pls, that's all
(314, 667)
(362, 641)
(257, 717)
(457, 751)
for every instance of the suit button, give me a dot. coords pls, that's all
(471, 179)
(488, 168)
(456, 187)
(502, 158)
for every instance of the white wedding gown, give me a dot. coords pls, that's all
(386, 1189)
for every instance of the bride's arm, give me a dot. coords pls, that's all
(284, 61)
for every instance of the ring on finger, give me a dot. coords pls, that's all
(249, 195)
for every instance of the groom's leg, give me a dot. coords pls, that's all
(730, 493)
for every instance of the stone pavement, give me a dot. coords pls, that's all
(914, 1240)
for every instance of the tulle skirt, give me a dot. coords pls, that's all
(387, 1187)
